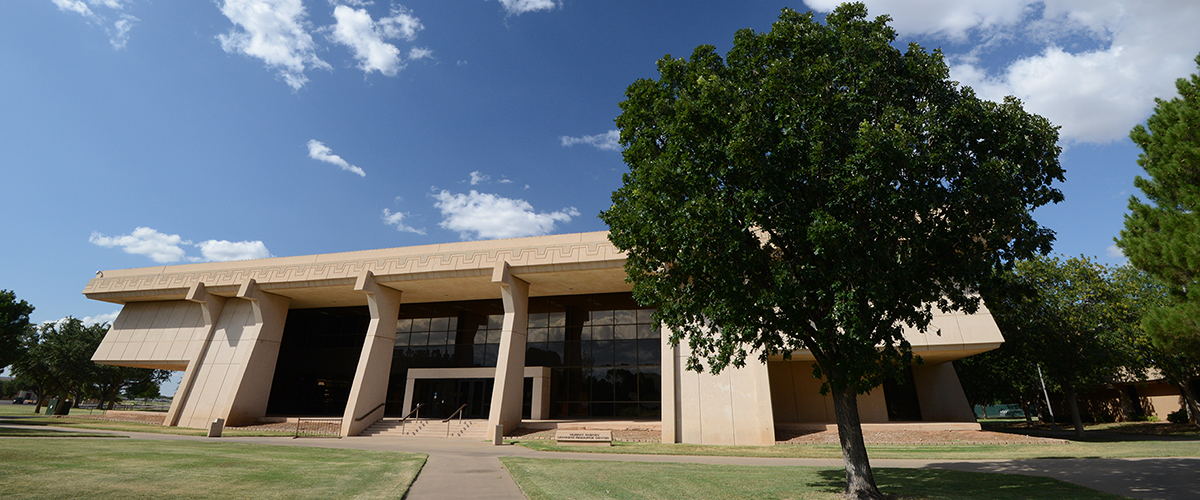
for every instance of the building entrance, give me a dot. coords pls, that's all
(441, 397)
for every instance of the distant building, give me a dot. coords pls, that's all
(531, 329)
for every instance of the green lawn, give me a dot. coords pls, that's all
(583, 479)
(14, 432)
(135, 469)
(1109, 449)
(78, 423)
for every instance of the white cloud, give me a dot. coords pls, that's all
(1096, 94)
(320, 152)
(477, 177)
(122, 27)
(100, 318)
(118, 35)
(487, 216)
(165, 248)
(397, 219)
(608, 141)
(419, 53)
(274, 31)
(1115, 252)
(522, 6)
(365, 37)
(145, 241)
(222, 250)
(76, 6)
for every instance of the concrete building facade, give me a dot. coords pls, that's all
(528, 329)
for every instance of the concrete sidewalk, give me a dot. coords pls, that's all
(462, 469)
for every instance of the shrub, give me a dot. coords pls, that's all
(1178, 416)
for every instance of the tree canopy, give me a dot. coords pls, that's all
(14, 319)
(1077, 319)
(1162, 237)
(819, 189)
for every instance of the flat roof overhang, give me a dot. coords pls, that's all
(571, 264)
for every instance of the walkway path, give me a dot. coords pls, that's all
(464, 469)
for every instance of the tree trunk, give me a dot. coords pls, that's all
(1073, 405)
(860, 482)
(1189, 402)
(1027, 409)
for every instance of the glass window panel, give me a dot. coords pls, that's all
(556, 334)
(650, 409)
(585, 333)
(649, 352)
(435, 352)
(495, 321)
(624, 317)
(625, 384)
(419, 339)
(535, 354)
(556, 353)
(448, 351)
(453, 323)
(601, 388)
(420, 324)
(602, 317)
(401, 339)
(626, 410)
(645, 315)
(539, 320)
(626, 352)
(493, 336)
(650, 383)
(572, 354)
(601, 410)
(603, 332)
(649, 332)
(480, 355)
(439, 324)
(437, 337)
(538, 334)
(491, 354)
(558, 319)
(625, 332)
(602, 353)
(403, 325)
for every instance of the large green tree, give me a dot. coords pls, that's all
(818, 189)
(14, 318)
(1162, 237)
(1075, 318)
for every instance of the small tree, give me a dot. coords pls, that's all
(1163, 237)
(818, 190)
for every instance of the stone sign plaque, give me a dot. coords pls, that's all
(584, 437)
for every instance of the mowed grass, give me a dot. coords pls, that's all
(79, 423)
(137, 469)
(582, 479)
(25, 432)
(1073, 449)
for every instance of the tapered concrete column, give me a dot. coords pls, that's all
(940, 394)
(256, 356)
(510, 364)
(210, 310)
(375, 363)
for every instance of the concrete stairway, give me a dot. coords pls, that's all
(464, 429)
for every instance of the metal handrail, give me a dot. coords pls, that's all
(404, 419)
(367, 414)
(456, 412)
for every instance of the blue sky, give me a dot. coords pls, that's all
(140, 133)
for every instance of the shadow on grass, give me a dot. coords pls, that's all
(901, 484)
(1102, 433)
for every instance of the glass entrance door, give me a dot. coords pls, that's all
(442, 397)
